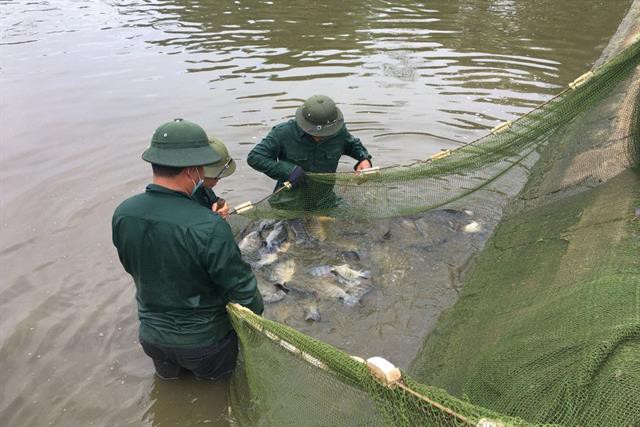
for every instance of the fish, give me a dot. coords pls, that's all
(408, 225)
(326, 288)
(356, 292)
(355, 283)
(265, 224)
(259, 252)
(264, 259)
(271, 294)
(350, 255)
(282, 272)
(317, 227)
(250, 243)
(472, 227)
(302, 237)
(276, 237)
(348, 273)
(250, 247)
(311, 313)
(333, 291)
(319, 271)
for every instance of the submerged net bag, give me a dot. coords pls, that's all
(547, 328)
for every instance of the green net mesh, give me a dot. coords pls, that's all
(449, 175)
(547, 327)
(288, 378)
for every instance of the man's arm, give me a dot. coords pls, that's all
(264, 158)
(355, 149)
(227, 269)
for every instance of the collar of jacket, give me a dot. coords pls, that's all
(301, 133)
(155, 188)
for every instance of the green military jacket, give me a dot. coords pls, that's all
(186, 267)
(205, 196)
(288, 146)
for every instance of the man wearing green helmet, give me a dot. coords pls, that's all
(183, 259)
(313, 142)
(212, 174)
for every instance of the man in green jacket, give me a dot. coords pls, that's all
(313, 142)
(183, 259)
(212, 174)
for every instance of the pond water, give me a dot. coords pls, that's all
(83, 84)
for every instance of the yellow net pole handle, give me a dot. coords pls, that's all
(247, 206)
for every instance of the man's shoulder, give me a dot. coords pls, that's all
(288, 126)
(182, 212)
(130, 205)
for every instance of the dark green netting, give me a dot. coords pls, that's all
(548, 325)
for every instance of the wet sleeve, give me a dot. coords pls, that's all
(264, 157)
(228, 270)
(355, 149)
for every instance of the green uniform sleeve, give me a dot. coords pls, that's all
(265, 156)
(228, 270)
(355, 149)
(205, 196)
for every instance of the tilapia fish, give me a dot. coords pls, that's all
(250, 248)
(349, 273)
(323, 286)
(271, 294)
(282, 272)
(319, 271)
(250, 243)
(311, 313)
(302, 237)
(332, 291)
(356, 291)
(258, 252)
(276, 237)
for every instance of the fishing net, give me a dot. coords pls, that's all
(547, 327)
(449, 175)
(288, 378)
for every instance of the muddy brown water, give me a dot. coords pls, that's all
(83, 84)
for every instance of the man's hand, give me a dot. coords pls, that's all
(297, 176)
(221, 208)
(364, 164)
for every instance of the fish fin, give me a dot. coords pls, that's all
(282, 287)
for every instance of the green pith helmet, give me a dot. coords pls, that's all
(222, 168)
(180, 143)
(319, 116)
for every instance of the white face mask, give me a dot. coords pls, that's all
(197, 185)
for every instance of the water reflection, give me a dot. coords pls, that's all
(466, 65)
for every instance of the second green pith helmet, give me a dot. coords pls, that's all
(319, 116)
(180, 143)
(224, 167)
